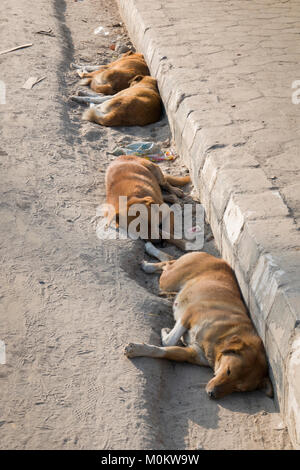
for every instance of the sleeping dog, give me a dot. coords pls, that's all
(211, 317)
(116, 76)
(141, 181)
(138, 105)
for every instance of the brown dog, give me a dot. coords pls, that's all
(116, 76)
(141, 182)
(138, 105)
(211, 315)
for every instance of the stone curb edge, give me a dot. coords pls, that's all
(261, 243)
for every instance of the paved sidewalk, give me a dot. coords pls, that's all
(69, 301)
(225, 72)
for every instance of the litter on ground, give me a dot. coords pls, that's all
(148, 150)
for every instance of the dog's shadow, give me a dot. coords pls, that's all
(179, 409)
(158, 130)
(184, 414)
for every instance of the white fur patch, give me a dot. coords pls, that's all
(172, 338)
(152, 251)
(148, 268)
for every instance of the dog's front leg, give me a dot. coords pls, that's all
(171, 338)
(173, 353)
(87, 71)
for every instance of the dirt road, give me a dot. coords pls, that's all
(69, 301)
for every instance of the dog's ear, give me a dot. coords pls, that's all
(233, 345)
(267, 387)
(136, 79)
(127, 53)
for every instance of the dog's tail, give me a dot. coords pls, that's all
(177, 180)
(89, 115)
(92, 114)
(111, 215)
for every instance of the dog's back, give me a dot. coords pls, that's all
(210, 314)
(138, 105)
(116, 76)
(130, 176)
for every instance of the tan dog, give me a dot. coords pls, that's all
(211, 315)
(138, 105)
(116, 76)
(141, 182)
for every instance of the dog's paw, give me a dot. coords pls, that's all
(144, 265)
(148, 268)
(131, 350)
(178, 192)
(164, 335)
(81, 72)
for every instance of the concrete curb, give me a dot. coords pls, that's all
(250, 221)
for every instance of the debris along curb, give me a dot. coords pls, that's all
(250, 221)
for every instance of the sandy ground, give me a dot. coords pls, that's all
(70, 302)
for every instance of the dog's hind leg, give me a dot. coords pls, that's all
(106, 89)
(91, 99)
(153, 251)
(95, 114)
(173, 353)
(167, 182)
(89, 71)
(100, 99)
(151, 268)
(87, 93)
(179, 243)
(171, 198)
(170, 183)
(94, 68)
(177, 180)
(85, 68)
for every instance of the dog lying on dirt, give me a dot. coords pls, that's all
(138, 105)
(212, 317)
(141, 181)
(116, 76)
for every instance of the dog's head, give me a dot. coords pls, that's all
(240, 366)
(144, 80)
(127, 54)
(131, 54)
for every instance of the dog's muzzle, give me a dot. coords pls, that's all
(211, 393)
